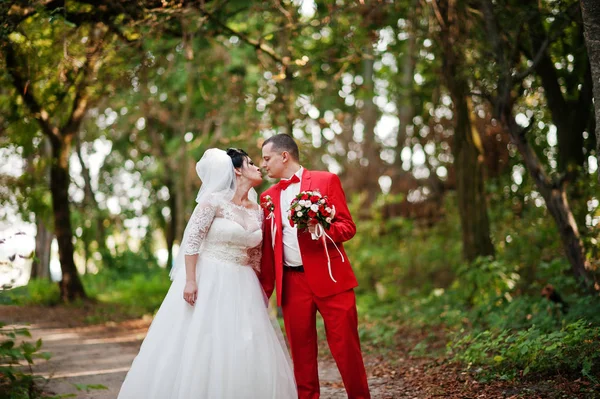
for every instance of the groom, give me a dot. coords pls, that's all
(297, 266)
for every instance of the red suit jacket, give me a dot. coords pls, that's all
(312, 251)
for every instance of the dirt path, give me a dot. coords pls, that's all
(102, 354)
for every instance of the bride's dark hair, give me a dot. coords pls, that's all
(237, 156)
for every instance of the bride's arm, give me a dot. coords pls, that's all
(198, 226)
(190, 291)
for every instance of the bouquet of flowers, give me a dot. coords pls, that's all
(309, 206)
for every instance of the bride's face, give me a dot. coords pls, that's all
(251, 172)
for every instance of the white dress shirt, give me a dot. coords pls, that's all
(291, 248)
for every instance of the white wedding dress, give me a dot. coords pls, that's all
(226, 345)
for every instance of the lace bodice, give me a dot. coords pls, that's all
(226, 232)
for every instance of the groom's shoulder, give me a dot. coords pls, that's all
(268, 191)
(322, 175)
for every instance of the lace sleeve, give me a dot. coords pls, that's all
(199, 225)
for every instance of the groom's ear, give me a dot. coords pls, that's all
(285, 156)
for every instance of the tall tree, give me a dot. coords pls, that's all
(40, 268)
(61, 134)
(551, 189)
(569, 99)
(591, 19)
(452, 17)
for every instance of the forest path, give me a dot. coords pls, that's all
(101, 354)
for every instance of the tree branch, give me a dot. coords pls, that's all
(438, 15)
(22, 86)
(259, 45)
(80, 103)
(535, 63)
(556, 30)
(585, 106)
(17, 13)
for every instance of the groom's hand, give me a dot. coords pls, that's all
(312, 224)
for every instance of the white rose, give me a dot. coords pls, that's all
(307, 204)
(314, 208)
(298, 208)
(299, 214)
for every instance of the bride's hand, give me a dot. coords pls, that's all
(190, 292)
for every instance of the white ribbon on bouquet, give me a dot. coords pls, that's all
(321, 234)
(273, 228)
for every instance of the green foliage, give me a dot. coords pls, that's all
(485, 280)
(388, 257)
(572, 349)
(90, 387)
(125, 264)
(36, 292)
(490, 311)
(380, 325)
(16, 359)
(136, 295)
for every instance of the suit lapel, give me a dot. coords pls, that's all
(306, 181)
(277, 203)
(305, 185)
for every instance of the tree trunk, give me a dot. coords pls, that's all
(40, 269)
(183, 193)
(591, 22)
(468, 163)
(43, 242)
(171, 227)
(61, 137)
(70, 286)
(370, 162)
(466, 146)
(556, 201)
(570, 142)
(553, 192)
(404, 103)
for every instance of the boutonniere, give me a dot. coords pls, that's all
(269, 206)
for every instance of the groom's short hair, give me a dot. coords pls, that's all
(284, 142)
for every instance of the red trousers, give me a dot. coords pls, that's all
(300, 307)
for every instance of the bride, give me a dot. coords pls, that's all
(212, 336)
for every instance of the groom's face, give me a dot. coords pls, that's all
(272, 162)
